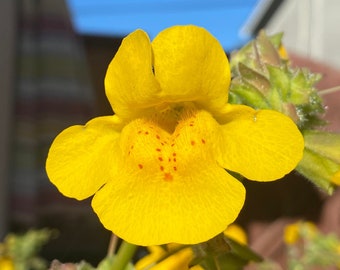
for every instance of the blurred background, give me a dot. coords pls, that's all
(53, 59)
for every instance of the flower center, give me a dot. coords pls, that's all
(150, 147)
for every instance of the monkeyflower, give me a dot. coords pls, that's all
(159, 167)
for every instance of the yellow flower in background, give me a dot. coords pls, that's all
(157, 167)
(283, 52)
(236, 233)
(294, 232)
(178, 261)
(6, 263)
(336, 178)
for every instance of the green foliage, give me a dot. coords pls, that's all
(222, 252)
(313, 250)
(263, 79)
(23, 249)
(321, 158)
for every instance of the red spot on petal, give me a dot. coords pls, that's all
(160, 158)
(172, 145)
(146, 132)
(140, 166)
(168, 177)
(174, 159)
(161, 168)
(173, 154)
(158, 149)
(192, 142)
(203, 141)
(139, 132)
(175, 168)
(158, 137)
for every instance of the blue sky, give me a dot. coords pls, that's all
(223, 18)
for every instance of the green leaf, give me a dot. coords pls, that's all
(276, 39)
(247, 95)
(222, 252)
(268, 53)
(280, 80)
(326, 144)
(242, 251)
(254, 78)
(318, 169)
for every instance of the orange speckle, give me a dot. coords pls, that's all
(168, 177)
(139, 132)
(140, 166)
(192, 142)
(172, 145)
(175, 168)
(203, 141)
(173, 154)
(161, 168)
(146, 132)
(160, 158)
(158, 149)
(174, 159)
(158, 137)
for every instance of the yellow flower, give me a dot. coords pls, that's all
(294, 232)
(6, 263)
(236, 233)
(336, 178)
(283, 52)
(157, 167)
(178, 261)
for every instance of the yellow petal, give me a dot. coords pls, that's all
(129, 82)
(81, 158)
(190, 65)
(156, 252)
(179, 261)
(6, 263)
(236, 233)
(169, 188)
(261, 145)
(336, 178)
(301, 229)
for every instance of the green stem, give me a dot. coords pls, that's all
(124, 255)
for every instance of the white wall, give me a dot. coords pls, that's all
(311, 28)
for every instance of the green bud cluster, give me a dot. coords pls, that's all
(263, 78)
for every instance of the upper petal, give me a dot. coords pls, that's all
(129, 82)
(261, 145)
(191, 65)
(81, 158)
(169, 187)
